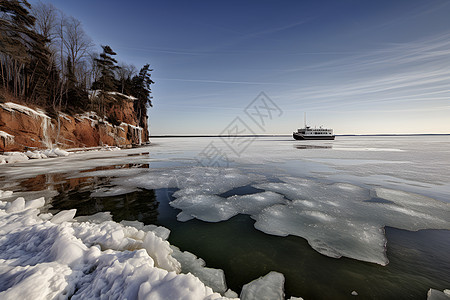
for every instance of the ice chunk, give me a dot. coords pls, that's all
(16, 206)
(214, 278)
(269, 287)
(66, 249)
(13, 157)
(37, 203)
(64, 216)
(160, 231)
(160, 251)
(60, 152)
(437, 295)
(334, 237)
(231, 294)
(97, 218)
(33, 155)
(254, 203)
(50, 153)
(209, 208)
(5, 194)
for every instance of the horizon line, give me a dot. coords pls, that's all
(286, 135)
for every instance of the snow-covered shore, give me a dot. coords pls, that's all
(13, 157)
(45, 256)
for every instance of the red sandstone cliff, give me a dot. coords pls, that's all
(23, 128)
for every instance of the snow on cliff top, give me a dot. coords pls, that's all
(95, 93)
(9, 106)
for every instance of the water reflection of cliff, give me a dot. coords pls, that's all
(139, 205)
(76, 193)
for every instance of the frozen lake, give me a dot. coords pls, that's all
(364, 214)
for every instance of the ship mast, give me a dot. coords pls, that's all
(304, 118)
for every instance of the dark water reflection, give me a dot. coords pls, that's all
(418, 260)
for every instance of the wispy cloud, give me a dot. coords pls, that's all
(418, 71)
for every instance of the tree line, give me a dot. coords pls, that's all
(47, 59)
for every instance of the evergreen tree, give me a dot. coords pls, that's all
(106, 83)
(141, 89)
(107, 66)
(22, 50)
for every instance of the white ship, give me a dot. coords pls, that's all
(308, 133)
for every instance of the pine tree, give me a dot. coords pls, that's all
(142, 90)
(107, 66)
(24, 59)
(107, 82)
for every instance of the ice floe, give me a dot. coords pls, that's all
(337, 219)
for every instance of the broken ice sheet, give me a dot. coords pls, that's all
(338, 220)
(190, 181)
(212, 208)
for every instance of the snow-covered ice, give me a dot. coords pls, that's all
(66, 258)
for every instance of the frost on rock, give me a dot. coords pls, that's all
(269, 287)
(83, 259)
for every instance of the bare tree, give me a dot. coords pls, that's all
(76, 43)
(46, 20)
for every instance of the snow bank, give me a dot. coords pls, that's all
(68, 258)
(13, 157)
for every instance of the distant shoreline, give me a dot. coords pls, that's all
(290, 135)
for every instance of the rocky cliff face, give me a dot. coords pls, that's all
(23, 128)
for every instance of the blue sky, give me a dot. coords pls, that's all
(356, 66)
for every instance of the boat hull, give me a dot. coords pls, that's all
(309, 137)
